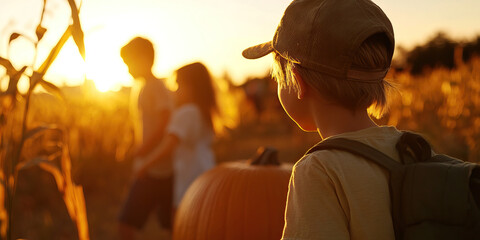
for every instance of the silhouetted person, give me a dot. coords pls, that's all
(190, 133)
(153, 189)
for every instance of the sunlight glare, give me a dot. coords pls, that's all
(104, 65)
(102, 76)
(68, 68)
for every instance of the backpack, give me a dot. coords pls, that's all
(432, 197)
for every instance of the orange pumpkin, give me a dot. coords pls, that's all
(236, 200)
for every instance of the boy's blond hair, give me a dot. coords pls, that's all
(352, 94)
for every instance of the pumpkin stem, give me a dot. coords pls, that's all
(265, 156)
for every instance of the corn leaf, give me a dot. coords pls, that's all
(40, 31)
(13, 37)
(56, 173)
(82, 221)
(45, 141)
(52, 88)
(74, 198)
(3, 212)
(54, 52)
(8, 66)
(67, 164)
(77, 31)
(34, 162)
(69, 200)
(35, 79)
(13, 84)
(40, 129)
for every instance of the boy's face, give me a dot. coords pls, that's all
(297, 109)
(135, 67)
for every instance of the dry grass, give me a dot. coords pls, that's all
(101, 136)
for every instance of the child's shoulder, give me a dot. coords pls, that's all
(332, 161)
(155, 88)
(156, 83)
(326, 161)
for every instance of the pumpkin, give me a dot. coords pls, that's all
(236, 200)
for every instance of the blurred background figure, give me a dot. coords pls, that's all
(190, 133)
(153, 189)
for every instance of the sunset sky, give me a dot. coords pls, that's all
(212, 31)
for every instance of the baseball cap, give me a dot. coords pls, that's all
(323, 35)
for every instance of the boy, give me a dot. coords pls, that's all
(331, 57)
(155, 187)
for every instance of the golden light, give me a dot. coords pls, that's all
(68, 68)
(102, 65)
(103, 80)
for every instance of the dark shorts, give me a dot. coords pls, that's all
(146, 195)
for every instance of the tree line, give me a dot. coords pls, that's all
(441, 51)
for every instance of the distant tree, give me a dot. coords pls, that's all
(471, 49)
(437, 52)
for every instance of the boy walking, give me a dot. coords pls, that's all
(331, 57)
(154, 189)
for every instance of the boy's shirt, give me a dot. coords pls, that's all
(337, 195)
(153, 98)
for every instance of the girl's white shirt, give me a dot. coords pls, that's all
(194, 154)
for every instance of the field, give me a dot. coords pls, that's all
(443, 104)
(100, 144)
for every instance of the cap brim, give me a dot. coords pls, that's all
(258, 51)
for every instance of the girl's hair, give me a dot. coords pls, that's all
(196, 77)
(372, 54)
(139, 50)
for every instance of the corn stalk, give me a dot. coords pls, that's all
(11, 146)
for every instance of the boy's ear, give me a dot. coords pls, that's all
(302, 87)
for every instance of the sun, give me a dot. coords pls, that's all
(105, 67)
(104, 74)
(102, 65)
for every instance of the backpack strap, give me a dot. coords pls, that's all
(357, 148)
(395, 169)
(413, 147)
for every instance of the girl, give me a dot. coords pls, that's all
(190, 132)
